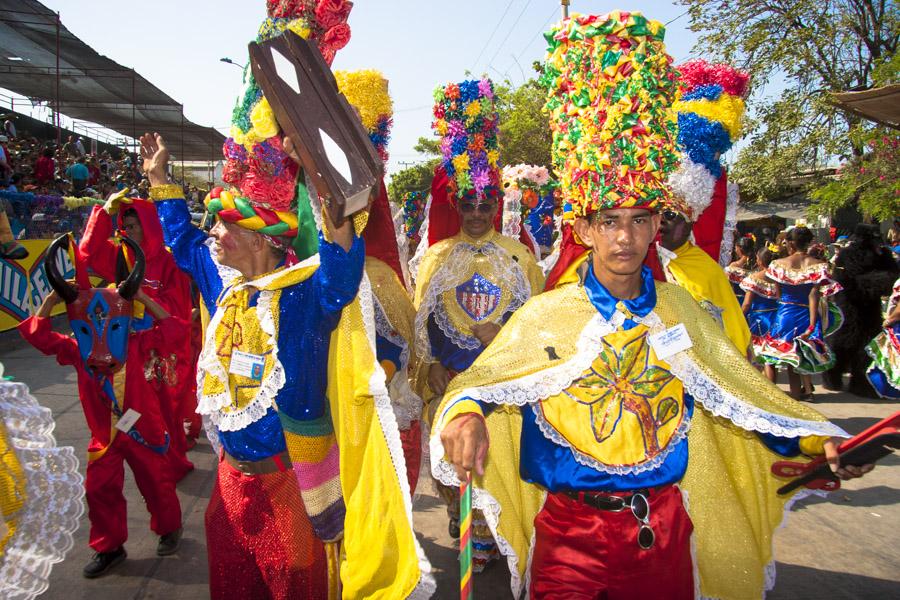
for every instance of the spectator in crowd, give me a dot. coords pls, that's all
(5, 161)
(68, 149)
(44, 168)
(79, 175)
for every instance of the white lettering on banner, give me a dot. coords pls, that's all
(40, 285)
(14, 290)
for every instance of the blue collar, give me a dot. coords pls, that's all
(606, 303)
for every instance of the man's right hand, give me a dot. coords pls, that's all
(155, 156)
(438, 378)
(465, 440)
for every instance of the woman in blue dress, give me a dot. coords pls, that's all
(796, 339)
(760, 304)
(884, 372)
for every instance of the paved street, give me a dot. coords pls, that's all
(840, 547)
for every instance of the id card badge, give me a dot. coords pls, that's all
(128, 420)
(247, 365)
(671, 341)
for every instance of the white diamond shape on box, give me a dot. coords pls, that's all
(285, 70)
(336, 156)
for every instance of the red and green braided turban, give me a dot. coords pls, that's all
(240, 211)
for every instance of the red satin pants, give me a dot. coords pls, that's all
(259, 540)
(584, 553)
(103, 484)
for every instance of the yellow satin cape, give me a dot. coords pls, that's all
(700, 275)
(380, 557)
(731, 495)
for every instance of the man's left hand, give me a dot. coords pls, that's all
(834, 461)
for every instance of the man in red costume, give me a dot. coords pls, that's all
(120, 406)
(173, 366)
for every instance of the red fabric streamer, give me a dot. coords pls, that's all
(379, 236)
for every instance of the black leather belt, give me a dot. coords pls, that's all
(607, 502)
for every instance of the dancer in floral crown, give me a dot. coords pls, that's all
(311, 478)
(617, 396)
(472, 278)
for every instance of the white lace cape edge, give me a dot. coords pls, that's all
(426, 585)
(407, 404)
(208, 363)
(55, 501)
(447, 278)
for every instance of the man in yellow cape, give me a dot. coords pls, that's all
(642, 438)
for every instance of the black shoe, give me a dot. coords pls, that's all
(103, 562)
(168, 544)
(453, 528)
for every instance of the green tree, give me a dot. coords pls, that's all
(817, 47)
(416, 178)
(524, 127)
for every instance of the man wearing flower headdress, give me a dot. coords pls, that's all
(709, 121)
(310, 473)
(468, 284)
(614, 396)
(393, 315)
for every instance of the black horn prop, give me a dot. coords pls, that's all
(62, 287)
(128, 288)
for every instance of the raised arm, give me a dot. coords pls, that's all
(188, 243)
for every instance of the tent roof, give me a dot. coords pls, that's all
(751, 211)
(92, 87)
(881, 105)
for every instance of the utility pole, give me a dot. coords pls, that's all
(565, 8)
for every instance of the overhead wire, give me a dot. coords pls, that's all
(509, 33)
(491, 37)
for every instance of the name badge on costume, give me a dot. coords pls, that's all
(128, 420)
(671, 341)
(247, 365)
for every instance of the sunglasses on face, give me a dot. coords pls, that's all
(670, 215)
(484, 208)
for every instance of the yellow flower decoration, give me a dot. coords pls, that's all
(367, 90)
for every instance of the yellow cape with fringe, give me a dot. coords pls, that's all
(730, 491)
(380, 557)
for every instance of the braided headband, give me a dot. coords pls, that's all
(235, 209)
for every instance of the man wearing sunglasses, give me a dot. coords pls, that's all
(469, 283)
(641, 437)
(689, 267)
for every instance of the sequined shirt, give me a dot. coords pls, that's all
(308, 313)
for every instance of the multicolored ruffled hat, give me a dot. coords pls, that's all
(367, 90)
(710, 114)
(264, 179)
(610, 87)
(412, 208)
(466, 119)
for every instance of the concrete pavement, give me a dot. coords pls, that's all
(842, 546)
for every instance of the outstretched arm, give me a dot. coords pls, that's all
(188, 243)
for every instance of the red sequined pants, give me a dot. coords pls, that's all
(584, 553)
(259, 539)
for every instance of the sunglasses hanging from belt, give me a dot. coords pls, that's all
(640, 508)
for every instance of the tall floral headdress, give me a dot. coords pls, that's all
(367, 90)
(710, 114)
(466, 119)
(610, 88)
(264, 179)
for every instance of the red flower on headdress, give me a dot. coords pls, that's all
(330, 13)
(452, 91)
(289, 8)
(233, 171)
(333, 40)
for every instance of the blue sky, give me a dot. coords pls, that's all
(417, 44)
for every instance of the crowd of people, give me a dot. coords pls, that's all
(34, 172)
(566, 407)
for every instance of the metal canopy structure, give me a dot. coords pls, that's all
(44, 61)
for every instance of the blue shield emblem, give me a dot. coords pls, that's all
(478, 297)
